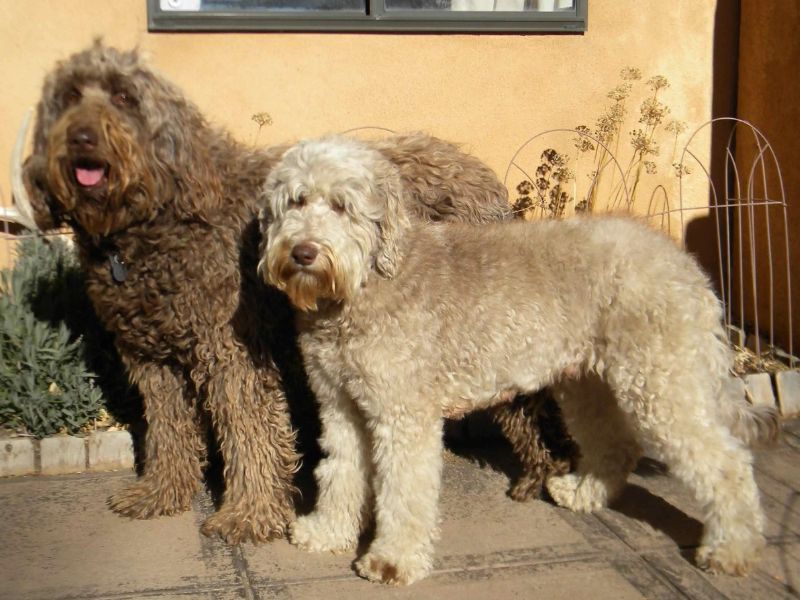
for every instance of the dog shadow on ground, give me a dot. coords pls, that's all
(635, 502)
(480, 440)
(639, 503)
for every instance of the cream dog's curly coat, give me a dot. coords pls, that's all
(401, 325)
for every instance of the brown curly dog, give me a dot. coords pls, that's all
(162, 206)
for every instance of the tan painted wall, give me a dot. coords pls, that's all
(489, 92)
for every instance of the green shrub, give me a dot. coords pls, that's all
(58, 368)
(45, 386)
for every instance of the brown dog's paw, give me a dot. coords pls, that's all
(236, 524)
(526, 488)
(145, 500)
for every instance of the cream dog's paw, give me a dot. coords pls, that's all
(578, 493)
(319, 533)
(402, 570)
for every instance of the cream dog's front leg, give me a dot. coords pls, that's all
(407, 458)
(343, 498)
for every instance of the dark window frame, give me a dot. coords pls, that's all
(377, 19)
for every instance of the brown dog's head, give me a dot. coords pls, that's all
(114, 145)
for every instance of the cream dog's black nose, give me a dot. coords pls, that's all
(304, 254)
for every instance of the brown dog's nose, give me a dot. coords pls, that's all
(304, 254)
(82, 138)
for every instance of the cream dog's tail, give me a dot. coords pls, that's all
(751, 424)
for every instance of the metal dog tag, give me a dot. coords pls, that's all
(119, 271)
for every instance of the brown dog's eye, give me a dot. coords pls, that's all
(72, 96)
(122, 100)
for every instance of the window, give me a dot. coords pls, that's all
(368, 15)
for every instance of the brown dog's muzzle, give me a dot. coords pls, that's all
(97, 170)
(88, 170)
(81, 138)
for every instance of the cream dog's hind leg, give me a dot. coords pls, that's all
(608, 447)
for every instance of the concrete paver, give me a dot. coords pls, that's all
(759, 387)
(787, 384)
(63, 454)
(17, 457)
(110, 451)
(60, 542)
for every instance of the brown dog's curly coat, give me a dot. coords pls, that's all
(163, 210)
(161, 205)
(534, 426)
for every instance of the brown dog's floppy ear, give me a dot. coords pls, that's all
(181, 150)
(395, 220)
(186, 166)
(36, 205)
(34, 190)
(31, 188)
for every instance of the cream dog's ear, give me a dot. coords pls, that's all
(395, 221)
(265, 214)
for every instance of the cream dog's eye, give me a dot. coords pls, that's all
(298, 201)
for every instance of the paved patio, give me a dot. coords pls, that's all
(58, 541)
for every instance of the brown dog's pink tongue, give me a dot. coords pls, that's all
(88, 177)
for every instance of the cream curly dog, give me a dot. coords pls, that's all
(401, 325)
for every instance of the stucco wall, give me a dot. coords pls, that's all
(489, 92)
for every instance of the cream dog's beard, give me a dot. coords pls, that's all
(305, 287)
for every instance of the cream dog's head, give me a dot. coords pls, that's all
(333, 213)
